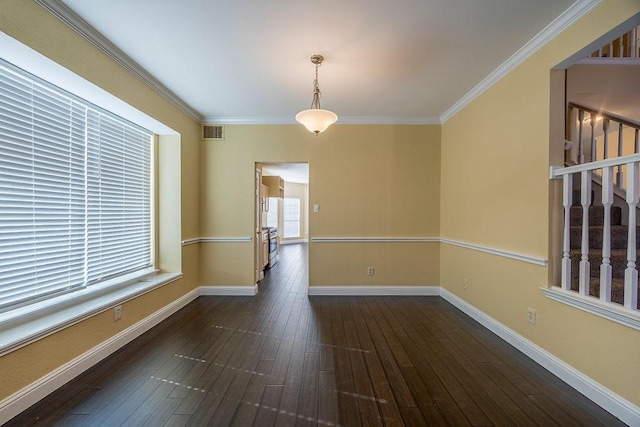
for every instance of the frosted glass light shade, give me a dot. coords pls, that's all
(316, 120)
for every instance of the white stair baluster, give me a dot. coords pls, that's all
(631, 273)
(620, 150)
(585, 201)
(605, 267)
(593, 138)
(580, 143)
(605, 129)
(567, 196)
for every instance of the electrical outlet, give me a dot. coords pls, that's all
(117, 312)
(465, 283)
(369, 271)
(531, 315)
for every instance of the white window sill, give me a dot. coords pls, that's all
(27, 324)
(610, 311)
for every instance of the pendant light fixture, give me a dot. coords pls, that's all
(315, 119)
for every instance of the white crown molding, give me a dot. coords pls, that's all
(80, 26)
(602, 396)
(290, 120)
(561, 23)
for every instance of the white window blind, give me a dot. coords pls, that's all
(291, 214)
(75, 191)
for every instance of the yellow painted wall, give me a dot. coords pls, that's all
(495, 160)
(380, 181)
(480, 178)
(33, 26)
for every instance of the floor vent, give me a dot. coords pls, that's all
(212, 132)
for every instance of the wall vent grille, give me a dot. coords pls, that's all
(212, 132)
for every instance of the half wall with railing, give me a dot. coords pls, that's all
(601, 197)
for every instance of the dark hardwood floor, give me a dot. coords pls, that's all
(283, 358)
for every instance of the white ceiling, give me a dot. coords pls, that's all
(290, 172)
(386, 61)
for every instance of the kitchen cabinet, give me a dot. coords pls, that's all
(275, 185)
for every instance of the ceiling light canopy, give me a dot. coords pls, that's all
(316, 119)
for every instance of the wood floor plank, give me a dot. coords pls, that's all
(399, 386)
(246, 413)
(284, 358)
(308, 402)
(369, 413)
(345, 388)
(268, 409)
(435, 356)
(163, 413)
(412, 417)
(387, 405)
(328, 411)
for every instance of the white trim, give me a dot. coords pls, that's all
(240, 291)
(499, 252)
(493, 251)
(293, 241)
(24, 398)
(25, 325)
(191, 241)
(226, 239)
(555, 171)
(595, 306)
(374, 239)
(373, 290)
(290, 120)
(80, 26)
(610, 401)
(33, 62)
(217, 240)
(602, 396)
(609, 61)
(561, 23)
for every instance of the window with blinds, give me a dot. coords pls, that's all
(75, 192)
(291, 214)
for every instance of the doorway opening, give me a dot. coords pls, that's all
(593, 97)
(282, 212)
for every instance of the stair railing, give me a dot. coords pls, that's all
(600, 124)
(625, 46)
(632, 196)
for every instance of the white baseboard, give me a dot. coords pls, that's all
(374, 290)
(238, 291)
(293, 241)
(602, 396)
(607, 399)
(24, 398)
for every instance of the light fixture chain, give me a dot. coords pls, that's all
(316, 91)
